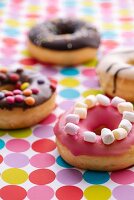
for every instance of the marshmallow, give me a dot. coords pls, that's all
(103, 100)
(126, 125)
(116, 100)
(107, 136)
(71, 128)
(120, 133)
(90, 136)
(90, 101)
(82, 112)
(129, 116)
(80, 105)
(73, 118)
(125, 106)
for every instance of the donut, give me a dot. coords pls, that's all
(63, 41)
(26, 98)
(116, 74)
(97, 133)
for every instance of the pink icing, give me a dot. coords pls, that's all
(97, 116)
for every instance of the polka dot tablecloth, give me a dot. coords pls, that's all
(30, 165)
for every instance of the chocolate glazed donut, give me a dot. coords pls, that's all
(26, 98)
(64, 41)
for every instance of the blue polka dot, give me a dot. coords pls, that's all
(96, 177)
(2, 144)
(62, 162)
(11, 31)
(2, 4)
(69, 71)
(69, 93)
(70, 3)
(87, 10)
(109, 35)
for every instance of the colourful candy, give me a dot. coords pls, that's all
(29, 101)
(15, 92)
(73, 118)
(14, 77)
(103, 100)
(129, 116)
(40, 82)
(126, 125)
(82, 112)
(107, 136)
(3, 70)
(35, 90)
(27, 92)
(8, 93)
(120, 133)
(19, 98)
(71, 129)
(10, 99)
(24, 86)
(116, 100)
(2, 76)
(91, 101)
(125, 106)
(90, 136)
(2, 95)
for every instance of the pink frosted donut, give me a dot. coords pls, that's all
(97, 134)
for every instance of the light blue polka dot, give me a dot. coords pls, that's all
(69, 93)
(62, 162)
(96, 177)
(70, 3)
(109, 35)
(69, 71)
(2, 4)
(11, 31)
(2, 144)
(87, 10)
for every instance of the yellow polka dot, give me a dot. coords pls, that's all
(14, 176)
(97, 192)
(91, 63)
(69, 82)
(12, 22)
(25, 52)
(88, 3)
(124, 12)
(20, 133)
(108, 26)
(91, 91)
(33, 8)
(2, 132)
(30, 23)
(127, 26)
(88, 18)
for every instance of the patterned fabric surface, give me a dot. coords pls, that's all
(30, 165)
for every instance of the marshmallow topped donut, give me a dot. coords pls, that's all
(116, 74)
(63, 41)
(26, 98)
(97, 134)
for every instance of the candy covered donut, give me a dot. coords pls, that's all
(64, 41)
(97, 134)
(116, 73)
(26, 98)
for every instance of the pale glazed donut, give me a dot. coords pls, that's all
(83, 143)
(26, 98)
(63, 41)
(116, 74)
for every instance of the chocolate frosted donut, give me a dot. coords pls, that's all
(66, 41)
(26, 98)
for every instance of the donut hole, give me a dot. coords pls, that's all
(62, 30)
(102, 117)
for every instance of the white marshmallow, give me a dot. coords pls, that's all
(73, 118)
(103, 100)
(126, 125)
(125, 106)
(116, 100)
(82, 112)
(120, 133)
(71, 128)
(91, 101)
(129, 116)
(80, 105)
(107, 136)
(90, 136)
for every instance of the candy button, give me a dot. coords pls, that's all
(29, 101)
(2, 95)
(8, 93)
(19, 98)
(3, 70)
(27, 92)
(10, 99)
(24, 86)
(16, 92)
(35, 90)
(14, 77)
(40, 82)
(2, 76)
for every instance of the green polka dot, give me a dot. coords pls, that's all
(91, 63)
(20, 133)
(2, 132)
(91, 91)
(97, 192)
(69, 82)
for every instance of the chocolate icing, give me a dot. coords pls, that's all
(64, 34)
(46, 90)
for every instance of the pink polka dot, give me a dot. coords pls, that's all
(42, 176)
(43, 145)
(89, 72)
(42, 160)
(43, 131)
(50, 119)
(49, 71)
(10, 41)
(65, 105)
(5, 62)
(17, 145)
(124, 192)
(8, 51)
(69, 176)
(16, 160)
(123, 177)
(40, 193)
